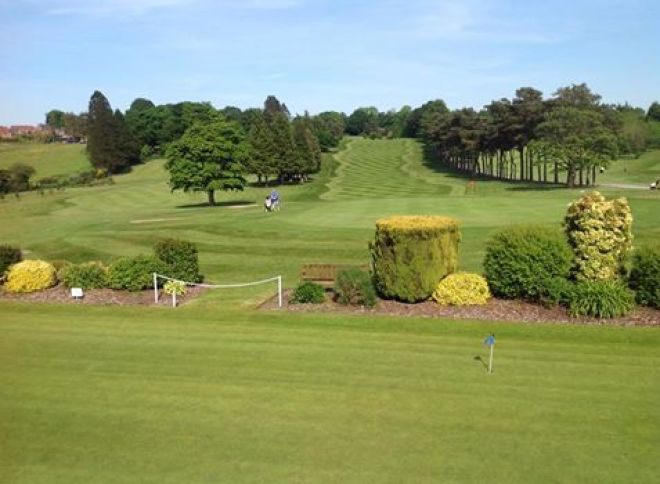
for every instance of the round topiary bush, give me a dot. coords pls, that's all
(412, 253)
(354, 286)
(9, 255)
(89, 275)
(521, 260)
(645, 276)
(462, 289)
(135, 273)
(308, 292)
(30, 276)
(601, 299)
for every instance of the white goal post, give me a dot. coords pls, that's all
(277, 279)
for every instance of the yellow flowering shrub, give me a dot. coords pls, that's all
(600, 234)
(30, 276)
(462, 289)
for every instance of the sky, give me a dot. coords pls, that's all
(319, 55)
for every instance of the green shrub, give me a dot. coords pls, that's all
(601, 299)
(30, 276)
(9, 255)
(557, 291)
(412, 253)
(89, 275)
(134, 273)
(354, 286)
(462, 289)
(60, 266)
(599, 232)
(180, 257)
(308, 292)
(521, 260)
(645, 276)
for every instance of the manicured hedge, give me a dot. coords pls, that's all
(521, 260)
(181, 259)
(645, 276)
(89, 275)
(412, 253)
(135, 273)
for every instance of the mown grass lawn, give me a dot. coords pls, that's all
(124, 395)
(218, 391)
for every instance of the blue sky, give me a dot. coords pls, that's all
(320, 55)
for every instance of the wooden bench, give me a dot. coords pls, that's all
(324, 274)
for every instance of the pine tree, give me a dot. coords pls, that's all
(261, 149)
(284, 151)
(102, 134)
(127, 146)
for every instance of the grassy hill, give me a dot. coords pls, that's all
(218, 391)
(48, 159)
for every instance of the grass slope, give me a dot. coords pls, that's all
(216, 391)
(47, 159)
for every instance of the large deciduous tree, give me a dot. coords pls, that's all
(577, 139)
(208, 157)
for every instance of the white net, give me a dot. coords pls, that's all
(277, 279)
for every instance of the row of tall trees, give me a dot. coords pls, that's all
(529, 138)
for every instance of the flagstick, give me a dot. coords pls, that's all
(490, 363)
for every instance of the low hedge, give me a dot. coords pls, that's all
(89, 275)
(135, 273)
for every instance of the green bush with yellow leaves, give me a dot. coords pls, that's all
(462, 289)
(30, 276)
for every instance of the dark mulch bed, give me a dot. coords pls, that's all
(494, 310)
(60, 294)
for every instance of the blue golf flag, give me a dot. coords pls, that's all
(490, 340)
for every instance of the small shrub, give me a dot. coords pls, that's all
(462, 289)
(60, 266)
(308, 292)
(9, 255)
(89, 275)
(175, 287)
(645, 276)
(557, 291)
(412, 253)
(354, 286)
(30, 276)
(134, 273)
(599, 232)
(180, 257)
(521, 260)
(601, 299)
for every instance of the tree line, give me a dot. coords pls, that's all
(527, 138)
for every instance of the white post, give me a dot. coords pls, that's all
(279, 291)
(174, 299)
(490, 363)
(155, 288)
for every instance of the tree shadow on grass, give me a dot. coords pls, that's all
(225, 204)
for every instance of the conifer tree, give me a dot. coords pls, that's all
(261, 149)
(102, 134)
